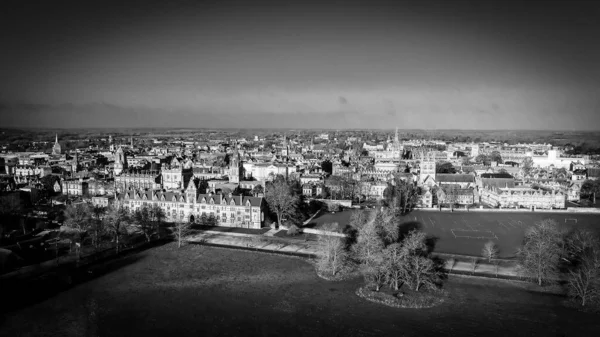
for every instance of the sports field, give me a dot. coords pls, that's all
(465, 233)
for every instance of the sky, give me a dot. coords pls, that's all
(282, 64)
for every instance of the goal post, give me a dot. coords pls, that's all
(571, 220)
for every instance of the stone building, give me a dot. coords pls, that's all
(137, 180)
(176, 174)
(427, 167)
(522, 197)
(189, 205)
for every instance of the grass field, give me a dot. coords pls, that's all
(465, 233)
(204, 291)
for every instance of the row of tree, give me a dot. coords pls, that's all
(95, 224)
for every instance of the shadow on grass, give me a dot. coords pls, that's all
(406, 227)
(28, 292)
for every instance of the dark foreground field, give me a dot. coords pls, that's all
(203, 291)
(466, 233)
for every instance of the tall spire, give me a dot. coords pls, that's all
(396, 137)
(56, 142)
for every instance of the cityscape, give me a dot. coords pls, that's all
(365, 169)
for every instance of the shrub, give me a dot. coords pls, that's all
(293, 230)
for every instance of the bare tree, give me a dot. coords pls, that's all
(157, 216)
(96, 228)
(369, 242)
(423, 271)
(540, 254)
(117, 222)
(396, 265)
(143, 219)
(489, 251)
(281, 198)
(333, 256)
(584, 281)
(181, 230)
(583, 253)
(78, 216)
(375, 272)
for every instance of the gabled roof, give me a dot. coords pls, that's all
(496, 175)
(454, 178)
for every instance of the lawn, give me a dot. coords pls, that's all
(465, 233)
(205, 291)
(341, 218)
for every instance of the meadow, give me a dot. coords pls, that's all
(204, 291)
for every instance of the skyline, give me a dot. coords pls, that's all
(418, 65)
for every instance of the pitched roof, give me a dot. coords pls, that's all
(498, 182)
(496, 175)
(454, 178)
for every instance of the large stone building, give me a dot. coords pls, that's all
(189, 205)
(139, 180)
(176, 174)
(77, 186)
(522, 197)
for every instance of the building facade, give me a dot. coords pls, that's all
(188, 205)
(522, 197)
(427, 167)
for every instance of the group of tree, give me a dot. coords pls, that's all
(590, 189)
(445, 168)
(486, 159)
(387, 256)
(148, 219)
(382, 253)
(547, 249)
(401, 195)
(208, 220)
(84, 222)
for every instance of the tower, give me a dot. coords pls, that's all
(56, 147)
(427, 166)
(120, 161)
(75, 163)
(235, 166)
(285, 148)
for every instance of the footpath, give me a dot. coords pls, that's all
(268, 242)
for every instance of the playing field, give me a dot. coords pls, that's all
(465, 233)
